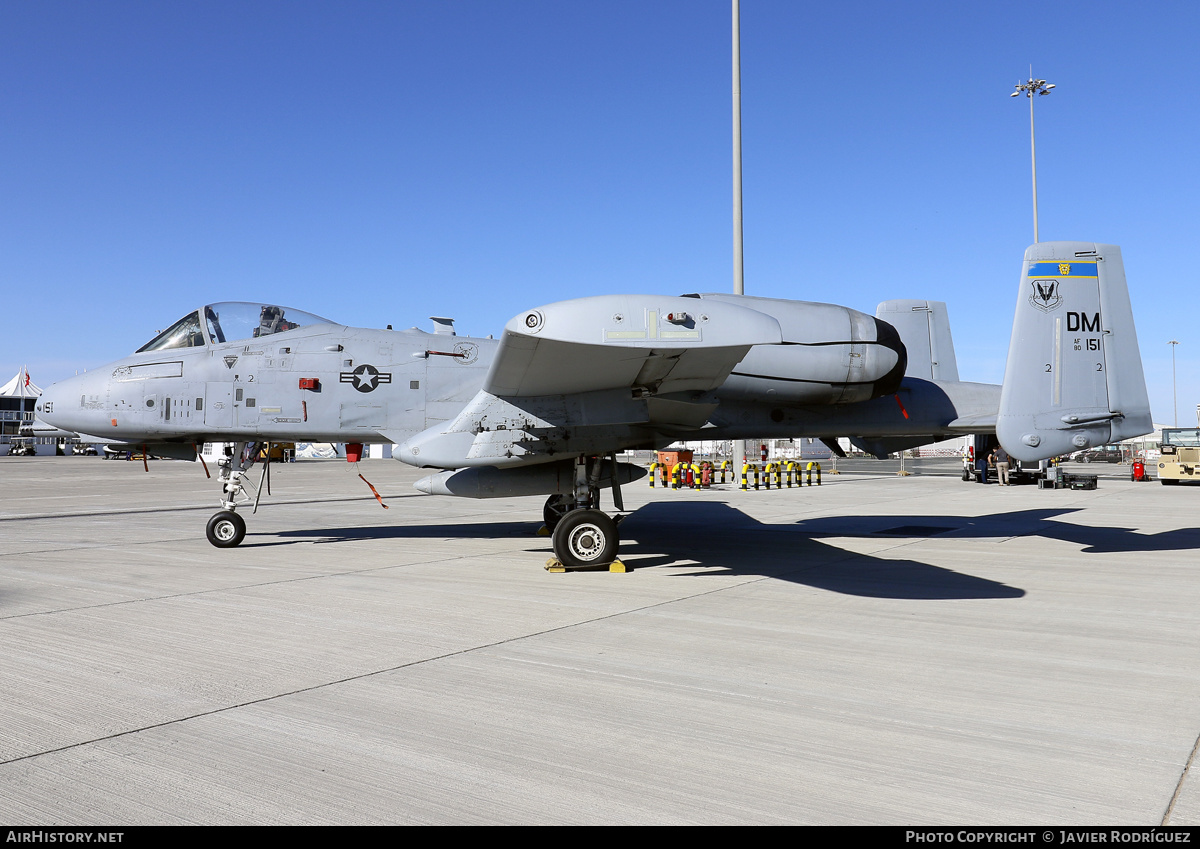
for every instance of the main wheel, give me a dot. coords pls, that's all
(557, 506)
(586, 538)
(226, 529)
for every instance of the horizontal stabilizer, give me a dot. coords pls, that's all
(1074, 375)
(985, 423)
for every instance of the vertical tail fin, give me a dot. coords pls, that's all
(924, 328)
(1074, 374)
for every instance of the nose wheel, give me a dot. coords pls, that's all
(226, 529)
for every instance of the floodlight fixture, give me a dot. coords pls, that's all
(1029, 87)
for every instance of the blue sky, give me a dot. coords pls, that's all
(381, 162)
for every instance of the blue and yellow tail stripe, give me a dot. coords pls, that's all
(1063, 269)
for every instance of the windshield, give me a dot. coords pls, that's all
(230, 321)
(1184, 437)
(184, 333)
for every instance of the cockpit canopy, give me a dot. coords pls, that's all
(230, 321)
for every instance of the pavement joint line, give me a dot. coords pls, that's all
(184, 507)
(376, 672)
(234, 588)
(85, 546)
(848, 555)
(1179, 786)
(89, 546)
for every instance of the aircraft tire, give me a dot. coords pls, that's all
(226, 529)
(586, 538)
(557, 506)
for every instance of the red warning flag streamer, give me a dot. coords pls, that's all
(901, 405)
(200, 454)
(374, 491)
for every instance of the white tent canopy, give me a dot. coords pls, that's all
(13, 389)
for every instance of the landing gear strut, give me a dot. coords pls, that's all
(582, 534)
(557, 506)
(226, 528)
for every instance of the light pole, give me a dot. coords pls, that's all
(738, 284)
(1174, 395)
(739, 445)
(1031, 87)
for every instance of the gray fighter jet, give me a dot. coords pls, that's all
(545, 408)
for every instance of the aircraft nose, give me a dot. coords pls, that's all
(49, 403)
(55, 406)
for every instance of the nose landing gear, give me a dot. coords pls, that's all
(226, 528)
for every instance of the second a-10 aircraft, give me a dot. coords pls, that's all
(545, 408)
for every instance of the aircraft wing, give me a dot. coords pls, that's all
(576, 376)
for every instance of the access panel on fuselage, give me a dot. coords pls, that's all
(380, 386)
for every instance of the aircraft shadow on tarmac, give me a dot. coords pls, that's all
(699, 539)
(1094, 540)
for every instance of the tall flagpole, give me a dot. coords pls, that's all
(21, 415)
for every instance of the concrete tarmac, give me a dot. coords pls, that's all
(878, 650)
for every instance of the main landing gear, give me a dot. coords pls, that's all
(226, 528)
(581, 534)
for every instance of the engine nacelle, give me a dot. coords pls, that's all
(829, 355)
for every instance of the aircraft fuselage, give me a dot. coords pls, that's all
(321, 383)
(324, 382)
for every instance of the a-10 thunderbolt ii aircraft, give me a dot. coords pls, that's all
(545, 408)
